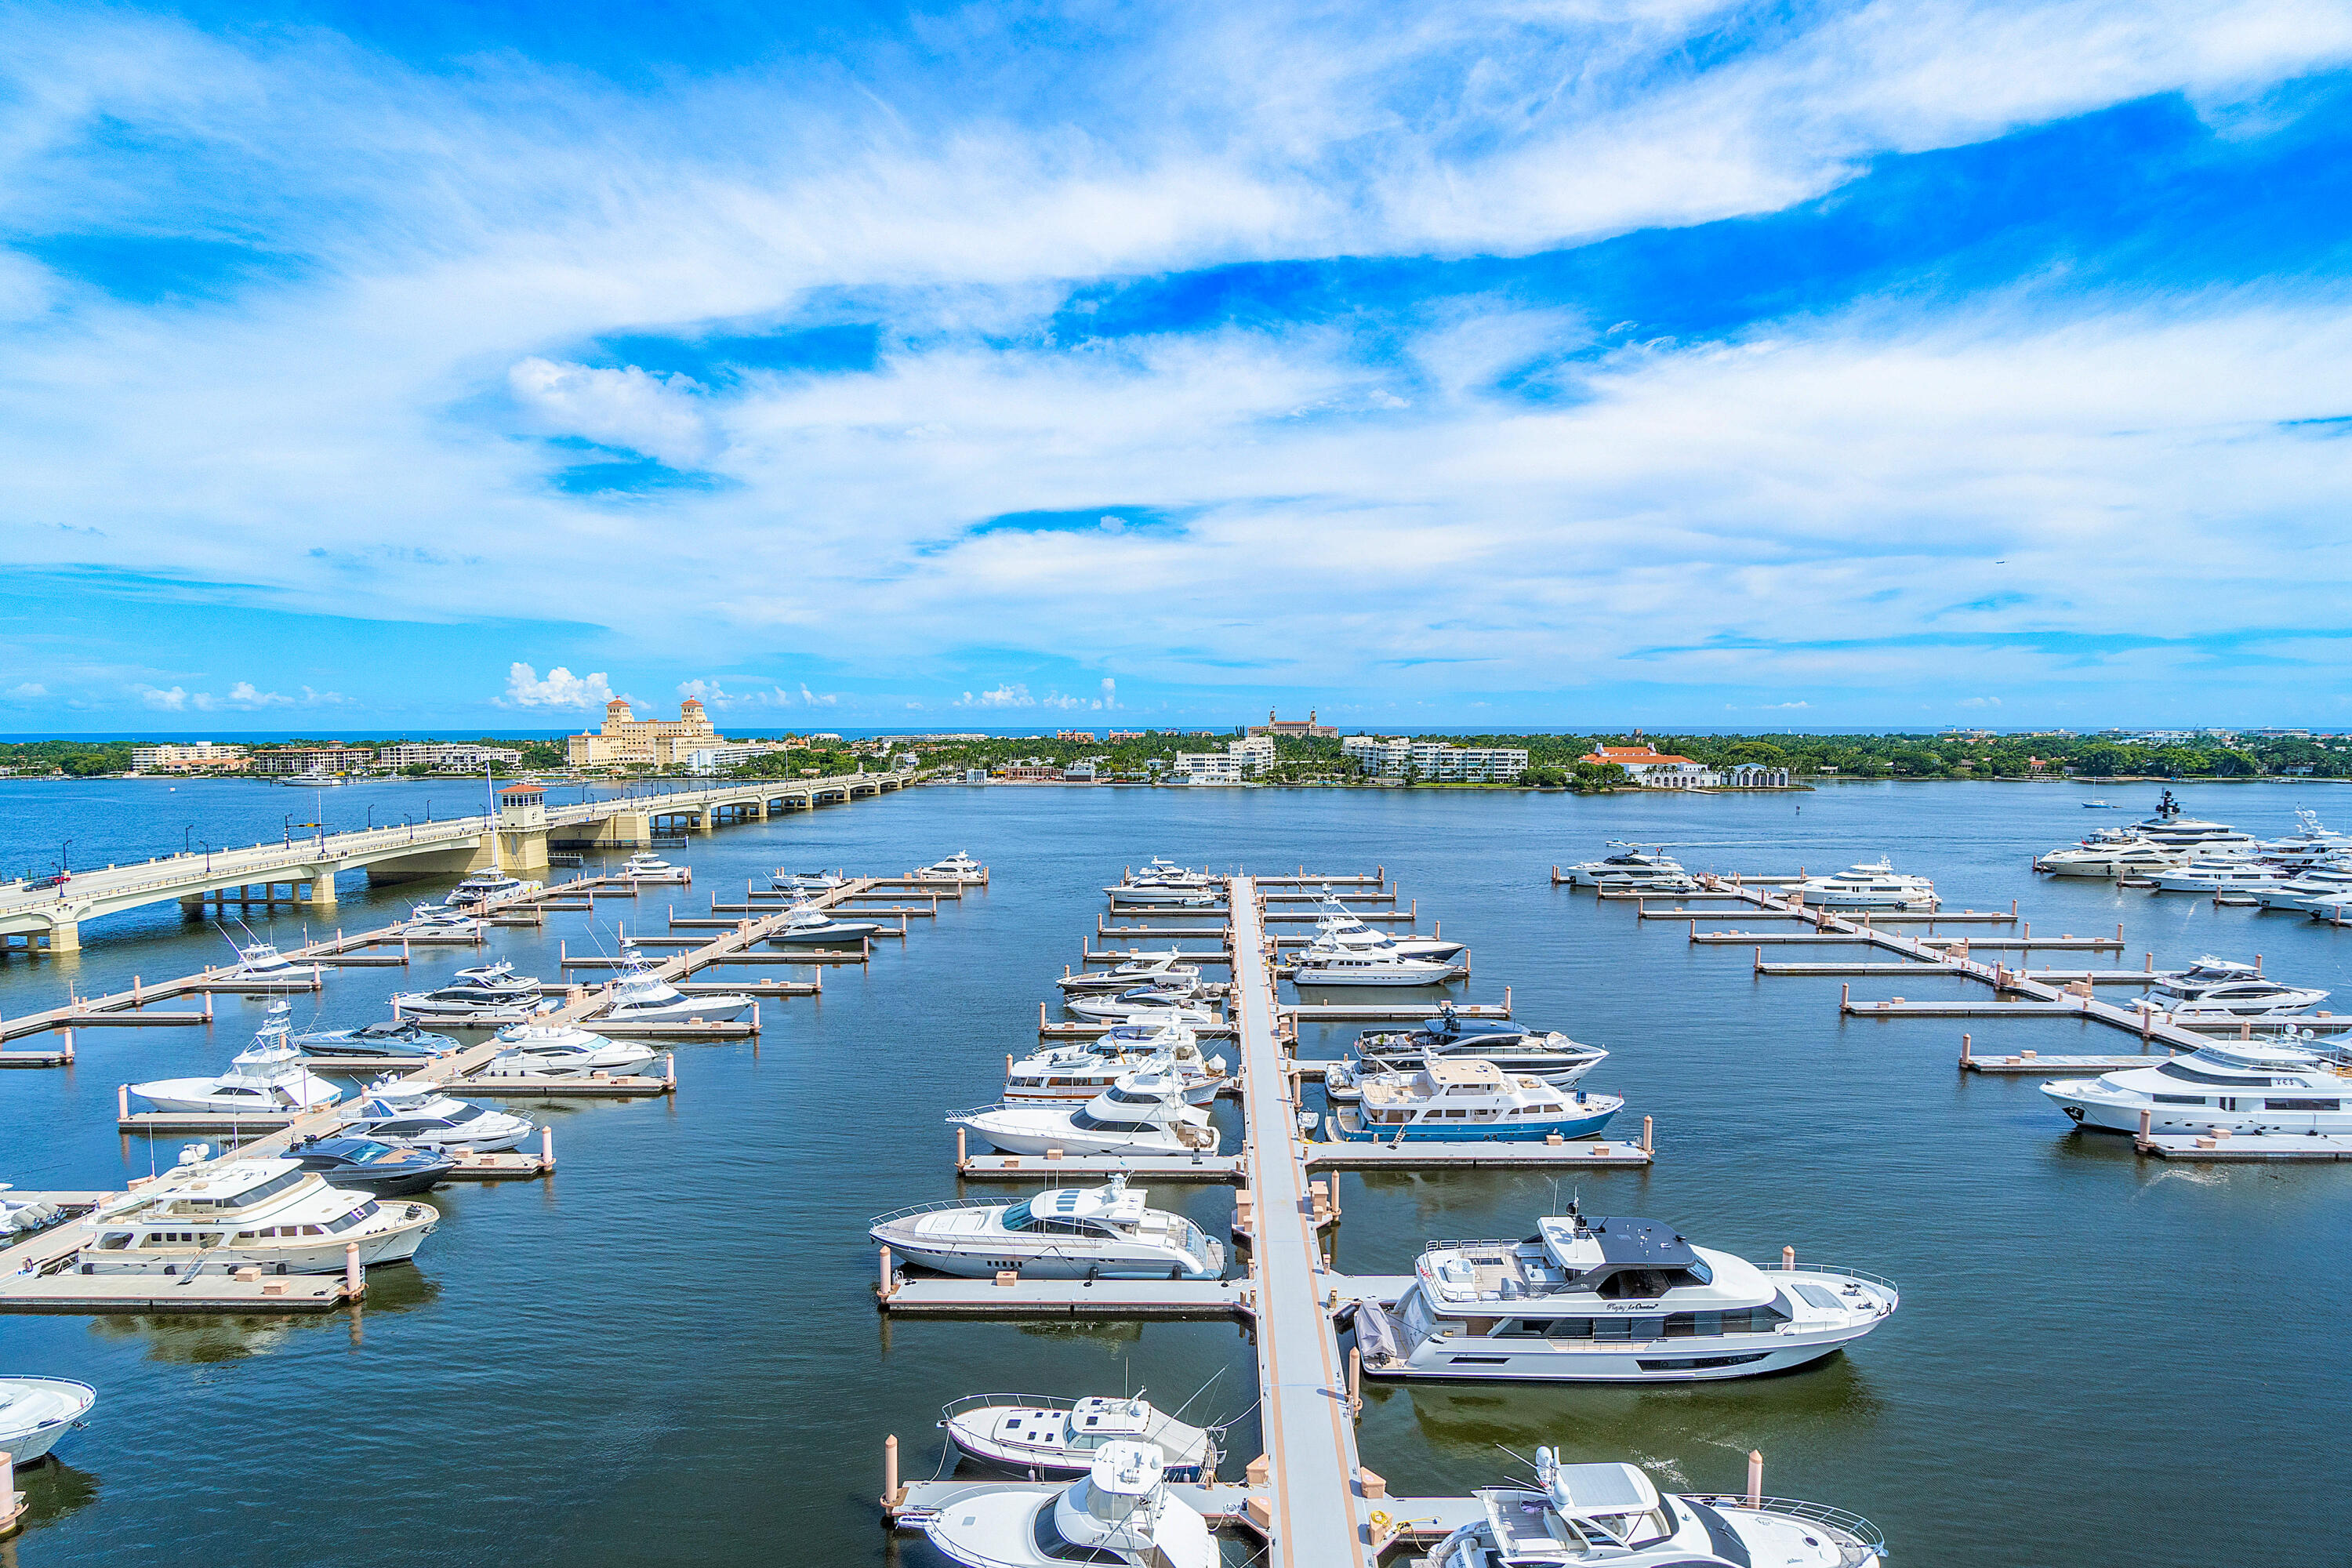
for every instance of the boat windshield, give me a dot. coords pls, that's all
(1018, 1216)
(1053, 1544)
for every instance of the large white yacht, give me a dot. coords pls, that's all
(1040, 1436)
(1121, 1513)
(2238, 1085)
(2308, 845)
(1165, 882)
(1081, 1069)
(271, 1215)
(1469, 1099)
(1167, 968)
(484, 889)
(268, 1078)
(2213, 988)
(1515, 1048)
(1156, 1003)
(642, 996)
(1344, 931)
(2311, 884)
(419, 1110)
(1613, 1516)
(562, 1050)
(648, 866)
(1614, 1301)
(1147, 1111)
(1067, 1233)
(958, 868)
(1339, 968)
(1628, 866)
(2207, 873)
(1873, 885)
(486, 988)
(2129, 856)
(35, 1412)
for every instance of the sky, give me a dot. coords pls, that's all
(1602, 363)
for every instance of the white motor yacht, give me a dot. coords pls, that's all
(1153, 1004)
(487, 988)
(2206, 873)
(398, 1040)
(957, 868)
(1336, 968)
(1873, 885)
(439, 922)
(2308, 845)
(1611, 1300)
(1082, 1070)
(1148, 1111)
(562, 1050)
(1167, 968)
(36, 1412)
(1343, 930)
(641, 996)
(268, 1078)
(2131, 858)
(2212, 989)
(1611, 1516)
(2313, 885)
(1067, 1233)
(645, 866)
(810, 926)
(1627, 867)
(1121, 1513)
(268, 1214)
(417, 1111)
(1467, 1100)
(808, 881)
(1165, 882)
(2237, 1086)
(1516, 1049)
(492, 886)
(1044, 1438)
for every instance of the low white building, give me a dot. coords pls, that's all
(1208, 768)
(1255, 754)
(1382, 759)
(1654, 769)
(1440, 762)
(708, 761)
(196, 755)
(1755, 775)
(443, 756)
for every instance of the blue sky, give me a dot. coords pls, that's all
(1651, 363)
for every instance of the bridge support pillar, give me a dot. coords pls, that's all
(64, 937)
(322, 888)
(192, 909)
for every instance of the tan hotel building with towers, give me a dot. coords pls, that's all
(626, 740)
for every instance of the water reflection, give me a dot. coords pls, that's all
(188, 1339)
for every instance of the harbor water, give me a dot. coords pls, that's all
(668, 1352)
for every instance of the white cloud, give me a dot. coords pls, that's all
(243, 695)
(654, 415)
(1009, 695)
(1109, 693)
(29, 688)
(311, 698)
(168, 699)
(562, 689)
(1980, 701)
(819, 699)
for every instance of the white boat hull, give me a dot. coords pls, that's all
(1359, 979)
(51, 1408)
(1106, 1263)
(2101, 1113)
(1034, 1132)
(395, 1242)
(721, 1009)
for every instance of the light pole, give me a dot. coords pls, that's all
(289, 830)
(208, 857)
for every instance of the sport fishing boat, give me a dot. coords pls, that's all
(1627, 867)
(1336, 969)
(396, 1110)
(642, 996)
(267, 1213)
(1613, 1516)
(1067, 1233)
(266, 1078)
(562, 1050)
(1146, 1111)
(397, 1040)
(36, 1412)
(645, 866)
(1611, 1300)
(2237, 1086)
(1081, 1069)
(1156, 1003)
(1518, 1050)
(262, 961)
(810, 926)
(1872, 885)
(1121, 1513)
(1046, 1439)
(1468, 1100)
(1167, 968)
(487, 988)
(367, 1165)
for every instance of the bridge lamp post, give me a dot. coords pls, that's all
(290, 830)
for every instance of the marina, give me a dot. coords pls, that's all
(1695, 1071)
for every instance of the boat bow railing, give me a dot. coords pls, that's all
(1836, 1270)
(937, 1206)
(1837, 1519)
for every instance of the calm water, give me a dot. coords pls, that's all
(668, 1354)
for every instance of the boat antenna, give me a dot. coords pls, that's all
(1198, 1392)
(1522, 1458)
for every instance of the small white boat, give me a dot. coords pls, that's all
(1121, 1513)
(268, 1078)
(20, 1214)
(269, 1213)
(396, 1110)
(1872, 885)
(2218, 874)
(1066, 1233)
(1046, 1439)
(1146, 1111)
(1165, 882)
(439, 922)
(648, 866)
(564, 1050)
(1611, 1516)
(262, 961)
(1611, 1300)
(36, 1412)
(809, 926)
(2095, 805)
(398, 1040)
(1161, 1003)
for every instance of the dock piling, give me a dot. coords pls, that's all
(546, 1150)
(1754, 1477)
(888, 1283)
(893, 1494)
(1649, 1126)
(1967, 1044)
(2147, 1117)
(122, 1101)
(1789, 1257)
(1355, 1380)
(354, 1281)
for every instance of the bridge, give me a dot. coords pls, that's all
(47, 916)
